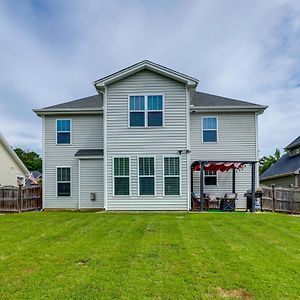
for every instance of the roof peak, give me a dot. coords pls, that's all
(145, 64)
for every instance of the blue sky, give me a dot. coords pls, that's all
(51, 51)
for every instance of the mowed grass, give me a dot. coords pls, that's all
(86, 255)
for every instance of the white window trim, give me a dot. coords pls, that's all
(123, 176)
(138, 173)
(56, 182)
(217, 179)
(180, 172)
(145, 111)
(202, 129)
(56, 132)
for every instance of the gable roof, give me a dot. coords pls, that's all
(199, 101)
(284, 166)
(145, 65)
(13, 154)
(89, 104)
(294, 143)
(202, 101)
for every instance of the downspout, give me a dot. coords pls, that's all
(79, 184)
(43, 163)
(104, 95)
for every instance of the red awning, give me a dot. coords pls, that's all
(219, 166)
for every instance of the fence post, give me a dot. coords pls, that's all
(273, 197)
(292, 201)
(20, 198)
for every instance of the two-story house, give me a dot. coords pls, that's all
(131, 146)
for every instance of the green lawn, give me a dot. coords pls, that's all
(86, 255)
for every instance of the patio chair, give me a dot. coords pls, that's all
(213, 202)
(195, 201)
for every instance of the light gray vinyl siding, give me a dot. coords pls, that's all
(87, 132)
(91, 181)
(236, 141)
(135, 142)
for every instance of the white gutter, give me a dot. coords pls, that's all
(234, 108)
(41, 112)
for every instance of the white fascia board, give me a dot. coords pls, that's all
(11, 151)
(148, 65)
(62, 111)
(90, 157)
(227, 108)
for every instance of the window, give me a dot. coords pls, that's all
(210, 178)
(209, 129)
(155, 110)
(121, 175)
(172, 175)
(63, 181)
(146, 111)
(137, 111)
(146, 176)
(63, 131)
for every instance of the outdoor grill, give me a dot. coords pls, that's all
(248, 195)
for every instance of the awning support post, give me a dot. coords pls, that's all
(201, 186)
(233, 180)
(253, 187)
(192, 180)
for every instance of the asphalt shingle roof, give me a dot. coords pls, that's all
(294, 143)
(203, 99)
(199, 99)
(89, 152)
(286, 164)
(95, 101)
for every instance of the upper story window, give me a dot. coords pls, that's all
(146, 111)
(63, 131)
(209, 129)
(155, 110)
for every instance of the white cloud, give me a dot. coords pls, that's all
(51, 52)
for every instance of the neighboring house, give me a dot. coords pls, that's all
(131, 146)
(33, 178)
(285, 172)
(12, 169)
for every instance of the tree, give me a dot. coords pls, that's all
(267, 161)
(31, 159)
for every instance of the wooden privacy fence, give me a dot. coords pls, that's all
(281, 199)
(14, 199)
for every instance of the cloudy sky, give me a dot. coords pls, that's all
(51, 51)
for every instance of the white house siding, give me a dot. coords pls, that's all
(87, 132)
(91, 181)
(9, 168)
(135, 142)
(236, 141)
